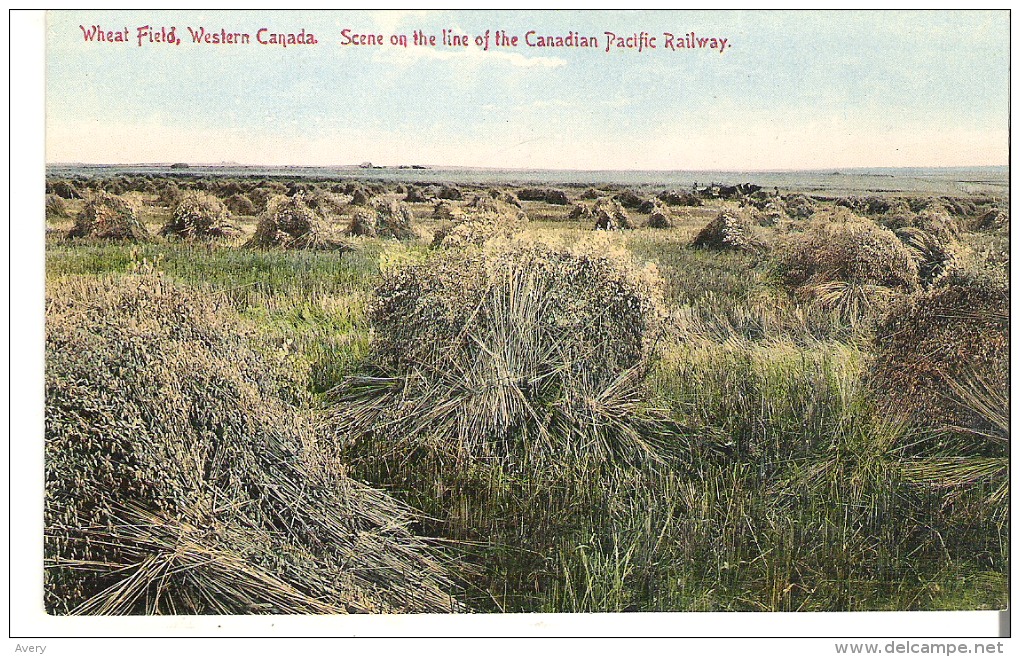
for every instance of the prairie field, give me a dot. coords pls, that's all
(310, 395)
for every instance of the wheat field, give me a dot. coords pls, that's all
(274, 395)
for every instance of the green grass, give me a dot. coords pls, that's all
(245, 276)
(311, 305)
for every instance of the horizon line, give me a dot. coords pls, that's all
(418, 167)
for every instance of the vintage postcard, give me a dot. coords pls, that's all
(457, 316)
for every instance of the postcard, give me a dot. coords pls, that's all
(560, 323)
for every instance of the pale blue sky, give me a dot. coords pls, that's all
(794, 90)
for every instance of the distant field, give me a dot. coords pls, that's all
(730, 399)
(956, 180)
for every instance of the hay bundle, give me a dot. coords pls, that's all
(271, 188)
(854, 251)
(295, 188)
(556, 197)
(474, 232)
(610, 215)
(288, 222)
(650, 205)
(170, 194)
(56, 206)
(865, 204)
(930, 237)
(553, 196)
(365, 222)
(661, 216)
(935, 255)
(240, 205)
(481, 203)
(898, 206)
(505, 196)
(958, 207)
(199, 215)
(799, 206)
(179, 481)
(450, 193)
(485, 219)
(327, 204)
(415, 194)
(63, 188)
(934, 220)
(878, 204)
(91, 184)
(899, 219)
(395, 220)
(993, 219)
(446, 211)
(771, 213)
(108, 217)
(143, 184)
(933, 344)
(661, 219)
(853, 268)
(759, 199)
(293, 217)
(581, 212)
(629, 199)
(114, 185)
(591, 194)
(532, 194)
(836, 214)
(494, 207)
(674, 197)
(224, 189)
(515, 352)
(939, 223)
(360, 196)
(260, 198)
(729, 231)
